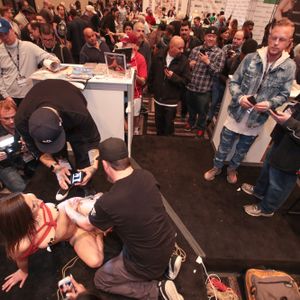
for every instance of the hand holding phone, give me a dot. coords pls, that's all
(65, 286)
(252, 100)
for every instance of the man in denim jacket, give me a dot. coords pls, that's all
(265, 76)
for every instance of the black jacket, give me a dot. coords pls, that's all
(168, 90)
(286, 156)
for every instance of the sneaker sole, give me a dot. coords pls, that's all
(258, 215)
(169, 291)
(251, 194)
(175, 261)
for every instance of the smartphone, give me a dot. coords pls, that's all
(77, 177)
(202, 51)
(274, 111)
(65, 286)
(252, 100)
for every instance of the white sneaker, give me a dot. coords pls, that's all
(62, 194)
(174, 267)
(168, 291)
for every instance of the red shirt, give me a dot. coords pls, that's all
(139, 63)
(150, 20)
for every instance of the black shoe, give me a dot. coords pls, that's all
(168, 291)
(62, 194)
(174, 267)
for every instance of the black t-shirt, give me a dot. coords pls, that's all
(133, 207)
(71, 105)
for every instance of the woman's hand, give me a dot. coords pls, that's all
(78, 288)
(13, 279)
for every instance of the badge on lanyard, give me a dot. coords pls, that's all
(21, 81)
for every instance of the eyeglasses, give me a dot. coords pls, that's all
(279, 39)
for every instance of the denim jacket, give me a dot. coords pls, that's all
(250, 78)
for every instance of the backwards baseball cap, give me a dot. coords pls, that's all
(130, 38)
(212, 30)
(4, 26)
(45, 127)
(113, 149)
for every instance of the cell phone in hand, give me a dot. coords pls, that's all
(77, 177)
(65, 286)
(274, 111)
(202, 51)
(252, 100)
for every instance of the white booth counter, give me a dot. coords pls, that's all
(105, 97)
(257, 151)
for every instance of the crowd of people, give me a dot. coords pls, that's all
(177, 61)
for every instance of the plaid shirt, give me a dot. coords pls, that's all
(202, 74)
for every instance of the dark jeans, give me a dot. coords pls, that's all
(273, 185)
(184, 105)
(113, 278)
(218, 89)
(198, 104)
(164, 119)
(227, 140)
(12, 179)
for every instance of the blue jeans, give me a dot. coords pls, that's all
(273, 185)
(198, 104)
(227, 140)
(12, 179)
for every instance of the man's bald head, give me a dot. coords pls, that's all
(90, 36)
(176, 46)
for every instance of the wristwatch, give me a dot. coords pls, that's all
(52, 167)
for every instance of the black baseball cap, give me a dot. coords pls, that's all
(4, 26)
(212, 30)
(45, 127)
(113, 149)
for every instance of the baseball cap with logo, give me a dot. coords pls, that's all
(4, 26)
(45, 127)
(212, 30)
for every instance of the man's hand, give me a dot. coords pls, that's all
(262, 106)
(168, 73)
(280, 117)
(3, 155)
(245, 103)
(78, 288)
(204, 58)
(62, 175)
(13, 279)
(192, 64)
(89, 172)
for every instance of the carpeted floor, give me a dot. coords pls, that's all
(212, 212)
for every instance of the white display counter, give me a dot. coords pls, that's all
(257, 151)
(105, 98)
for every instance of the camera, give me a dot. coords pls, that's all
(65, 286)
(8, 145)
(77, 177)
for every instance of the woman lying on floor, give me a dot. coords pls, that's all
(28, 224)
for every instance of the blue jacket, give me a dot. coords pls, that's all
(273, 86)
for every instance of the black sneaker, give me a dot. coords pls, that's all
(168, 291)
(62, 194)
(174, 267)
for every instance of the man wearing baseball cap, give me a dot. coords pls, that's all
(18, 60)
(132, 208)
(206, 61)
(52, 113)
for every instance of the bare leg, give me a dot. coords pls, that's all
(89, 247)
